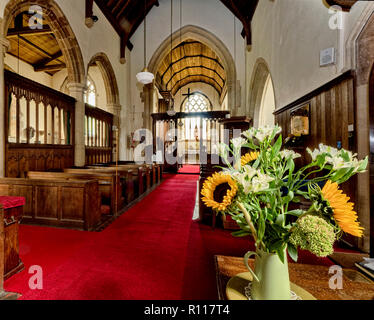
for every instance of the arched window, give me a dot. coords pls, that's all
(90, 95)
(197, 102)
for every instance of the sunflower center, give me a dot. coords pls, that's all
(220, 192)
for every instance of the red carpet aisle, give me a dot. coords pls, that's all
(153, 251)
(190, 168)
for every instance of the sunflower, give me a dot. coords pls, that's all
(247, 158)
(342, 209)
(214, 188)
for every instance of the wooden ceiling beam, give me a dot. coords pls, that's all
(54, 67)
(122, 9)
(244, 11)
(35, 47)
(195, 67)
(197, 75)
(118, 5)
(189, 57)
(44, 62)
(27, 31)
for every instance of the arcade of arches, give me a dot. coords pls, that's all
(74, 117)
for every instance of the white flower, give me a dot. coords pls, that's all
(265, 132)
(338, 163)
(221, 149)
(252, 180)
(238, 142)
(286, 154)
(249, 134)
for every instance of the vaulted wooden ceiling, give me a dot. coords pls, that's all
(126, 16)
(191, 61)
(37, 47)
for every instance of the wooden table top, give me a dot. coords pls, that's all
(312, 278)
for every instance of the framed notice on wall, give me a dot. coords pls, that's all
(300, 120)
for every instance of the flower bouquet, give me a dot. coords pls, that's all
(262, 185)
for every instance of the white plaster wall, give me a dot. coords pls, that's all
(211, 15)
(289, 35)
(27, 71)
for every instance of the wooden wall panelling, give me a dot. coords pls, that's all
(22, 157)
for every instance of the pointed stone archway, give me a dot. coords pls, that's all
(61, 29)
(210, 40)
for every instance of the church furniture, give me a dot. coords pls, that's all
(234, 126)
(33, 107)
(13, 211)
(126, 176)
(107, 186)
(99, 146)
(312, 278)
(72, 204)
(142, 175)
(110, 186)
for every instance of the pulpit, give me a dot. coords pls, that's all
(13, 210)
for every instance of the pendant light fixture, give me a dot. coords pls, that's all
(171, 112)
(145, 77)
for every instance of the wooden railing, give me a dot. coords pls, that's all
(98, 135)
(39, 127)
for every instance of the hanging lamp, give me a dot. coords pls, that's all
(145, 77)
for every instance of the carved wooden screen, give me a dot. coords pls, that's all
(39, 127)
(98, 135)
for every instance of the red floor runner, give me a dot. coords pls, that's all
(153, 251)
(190, 168)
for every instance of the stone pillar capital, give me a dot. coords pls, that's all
(4, 43)
(76, 87)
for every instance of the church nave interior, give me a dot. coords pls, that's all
(120, 172)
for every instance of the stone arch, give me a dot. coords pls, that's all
(61, 29)
(110, 81)
(207, 38)
(260, 76)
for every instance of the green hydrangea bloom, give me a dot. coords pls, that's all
(314, 234)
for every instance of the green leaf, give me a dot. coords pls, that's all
(363, 165)
(277, 146)
(292, 251)
(240, 234)
(280, 252)
(296, 213)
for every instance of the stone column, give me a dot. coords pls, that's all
(77, 91)
(4, 45)
(115, 109)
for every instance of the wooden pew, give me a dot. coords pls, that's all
(73, 204)
(126, 176)
(109, 186)
(144, 177)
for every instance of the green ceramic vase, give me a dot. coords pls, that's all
(271, 280)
